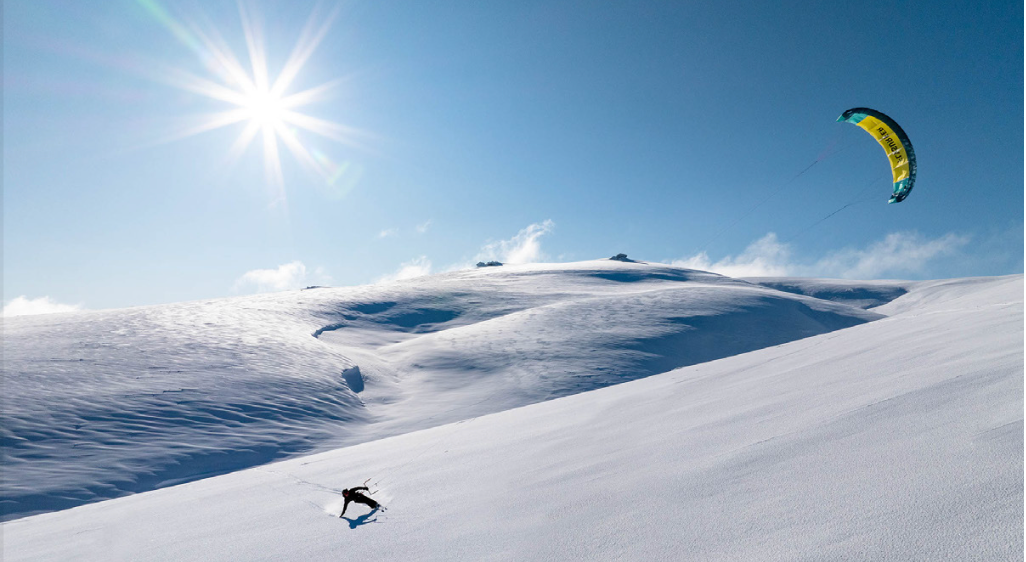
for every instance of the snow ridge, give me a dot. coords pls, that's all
(103, 404)
(899, 439)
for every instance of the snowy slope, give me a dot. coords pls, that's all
(863, 294)
(102, 404)
(900, 439)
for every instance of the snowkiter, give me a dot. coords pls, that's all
(354, 495)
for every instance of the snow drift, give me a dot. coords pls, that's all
(103, 404)
(897, 439)
(100, 404)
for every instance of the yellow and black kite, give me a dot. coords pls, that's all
(894, 142)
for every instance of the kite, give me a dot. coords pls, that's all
(894, 142)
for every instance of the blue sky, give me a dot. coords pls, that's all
(449, 132)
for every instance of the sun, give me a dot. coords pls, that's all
(265, 109)
(253, 98)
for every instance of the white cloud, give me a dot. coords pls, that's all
(766, 257)
(525, 247)
(898, 254)
(287, 276)
(23, 306)
(320, 277)
(417, 267)
(390, 232)
(522, 248)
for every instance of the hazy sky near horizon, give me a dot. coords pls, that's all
(160, 151)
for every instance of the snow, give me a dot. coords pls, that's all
(899, 438)
(103, 404)
(863, 294)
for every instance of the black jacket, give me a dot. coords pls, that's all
(354, 495)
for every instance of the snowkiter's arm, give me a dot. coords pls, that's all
(345, 506)
(360, 488)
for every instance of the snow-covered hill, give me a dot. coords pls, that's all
(102, 404)
(898, 439)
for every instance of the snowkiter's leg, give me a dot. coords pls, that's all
(367, 501)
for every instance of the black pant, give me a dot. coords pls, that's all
(359, 498)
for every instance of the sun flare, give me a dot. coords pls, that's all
(253, 98)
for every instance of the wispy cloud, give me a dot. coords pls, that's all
(24, 306)
(525, 247)
(765, 257)
(897, 254)
(417, 267)
(392, 232)
(288, 276)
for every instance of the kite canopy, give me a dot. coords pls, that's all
(894, 142)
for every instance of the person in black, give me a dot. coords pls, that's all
(354, 495)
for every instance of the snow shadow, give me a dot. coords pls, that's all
(857, 294)
(641, 276)
(354, 378)
(363, 519)
(403, 317)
